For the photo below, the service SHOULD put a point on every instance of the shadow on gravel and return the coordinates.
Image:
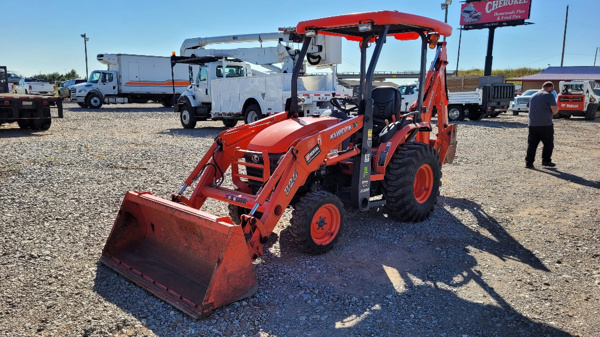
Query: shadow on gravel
(411, 282)
(117, 109)
(211, 132)
(496, 123)
(18, 133)
(570, 177)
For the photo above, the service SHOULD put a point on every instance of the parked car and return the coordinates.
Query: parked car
(521, 102)
(64, 90)
(34, 86)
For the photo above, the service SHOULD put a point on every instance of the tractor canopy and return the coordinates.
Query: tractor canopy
(357, 26)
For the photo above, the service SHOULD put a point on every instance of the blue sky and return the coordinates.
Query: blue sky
(44, 36)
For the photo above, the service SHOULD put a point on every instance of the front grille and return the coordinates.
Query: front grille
(257, 159)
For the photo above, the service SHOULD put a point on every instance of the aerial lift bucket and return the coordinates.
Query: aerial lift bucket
(189, 258)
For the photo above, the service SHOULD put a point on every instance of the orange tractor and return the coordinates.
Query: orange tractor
(365, 154)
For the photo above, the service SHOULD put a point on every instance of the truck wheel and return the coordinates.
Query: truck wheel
(252, 113)
(23, 123)
(229, 122)
(590, 113)
(515, 113)
(187, 117)
(475, 115)
(456, 113)
(93, 101)
(412, 182)
(82, 105)
(167, 102)
(42, 121)
(317, 220)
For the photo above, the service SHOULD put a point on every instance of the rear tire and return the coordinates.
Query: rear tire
(317, 220)
(252, 113)
(23, 124)
(187, 117)
(590, 113)
(475, 115)
(229, 122)
(456, 113)
(412, 182)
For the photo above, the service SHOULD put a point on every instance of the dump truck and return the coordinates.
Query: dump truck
(578, 98)
(477, 97)
(366, 153)
(31, 112)
(131, 79)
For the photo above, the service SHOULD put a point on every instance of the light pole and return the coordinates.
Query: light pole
(445, 7)
(595, 56)
(85, 40)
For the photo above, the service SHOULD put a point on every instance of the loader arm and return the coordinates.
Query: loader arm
(436, 97)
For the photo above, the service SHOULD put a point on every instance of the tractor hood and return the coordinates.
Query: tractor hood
(279, 137)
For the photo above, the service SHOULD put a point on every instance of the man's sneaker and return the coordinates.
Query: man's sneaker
(529, 166)
(548, 164)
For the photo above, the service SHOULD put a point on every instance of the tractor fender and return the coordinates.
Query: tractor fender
(386, 149)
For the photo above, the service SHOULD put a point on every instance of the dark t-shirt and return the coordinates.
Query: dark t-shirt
(540, 111)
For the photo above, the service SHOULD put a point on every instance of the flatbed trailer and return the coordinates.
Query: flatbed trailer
(29, 111)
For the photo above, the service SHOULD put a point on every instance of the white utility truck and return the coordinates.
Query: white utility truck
(578, 98)
(227, 88)
(132, 79)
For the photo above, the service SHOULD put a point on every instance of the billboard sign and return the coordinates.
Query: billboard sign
(493, 13)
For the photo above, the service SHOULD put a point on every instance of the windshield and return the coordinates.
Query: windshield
(94, 77)
(597, 91)
(231, 71)
(407, 89)
(529, 92)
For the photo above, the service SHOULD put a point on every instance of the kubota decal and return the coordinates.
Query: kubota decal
(340, 132)
(312, 154)
(291, 183)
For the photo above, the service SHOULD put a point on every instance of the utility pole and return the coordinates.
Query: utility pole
(595, 56)
(445, 7)
(85, 40)
(562, 57)
(458, 56)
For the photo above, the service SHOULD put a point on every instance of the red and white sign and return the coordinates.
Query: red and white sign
(494, 11)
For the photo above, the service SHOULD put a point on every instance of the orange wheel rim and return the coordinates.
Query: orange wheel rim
(423, 183)
(325, 224)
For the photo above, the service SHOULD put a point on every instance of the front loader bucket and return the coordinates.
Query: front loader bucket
(189, 258)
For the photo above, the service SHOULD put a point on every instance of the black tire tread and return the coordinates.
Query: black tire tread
(399, 178)
(302, 215)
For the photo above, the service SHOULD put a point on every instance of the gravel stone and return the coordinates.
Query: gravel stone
(507, 251)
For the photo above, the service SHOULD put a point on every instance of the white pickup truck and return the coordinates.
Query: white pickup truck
(34, 86)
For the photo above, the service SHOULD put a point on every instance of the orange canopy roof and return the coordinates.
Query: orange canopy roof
(403, 26)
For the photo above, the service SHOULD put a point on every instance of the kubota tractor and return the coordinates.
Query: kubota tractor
(365, 154)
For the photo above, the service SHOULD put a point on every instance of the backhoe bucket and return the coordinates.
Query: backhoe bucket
(189, 258)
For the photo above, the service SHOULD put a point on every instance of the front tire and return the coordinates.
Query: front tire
(317, 220)
(590, 113)
(252, 113)
(456, 113)
(475, 115)
(93, 101)
(412, 182)
(229, 122)
(187, 117)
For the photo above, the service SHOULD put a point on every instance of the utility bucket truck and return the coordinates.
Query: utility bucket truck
(131, 79)
(227, 88)
(366, 154)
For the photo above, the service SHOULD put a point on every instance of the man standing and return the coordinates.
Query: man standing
(542, 107)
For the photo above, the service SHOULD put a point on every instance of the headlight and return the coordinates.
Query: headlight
(81, 90)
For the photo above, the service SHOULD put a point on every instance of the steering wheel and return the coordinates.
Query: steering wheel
(341, 103)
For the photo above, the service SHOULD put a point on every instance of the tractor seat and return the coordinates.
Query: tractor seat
(387, 104)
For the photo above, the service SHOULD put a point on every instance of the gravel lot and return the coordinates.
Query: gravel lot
(507, 252)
